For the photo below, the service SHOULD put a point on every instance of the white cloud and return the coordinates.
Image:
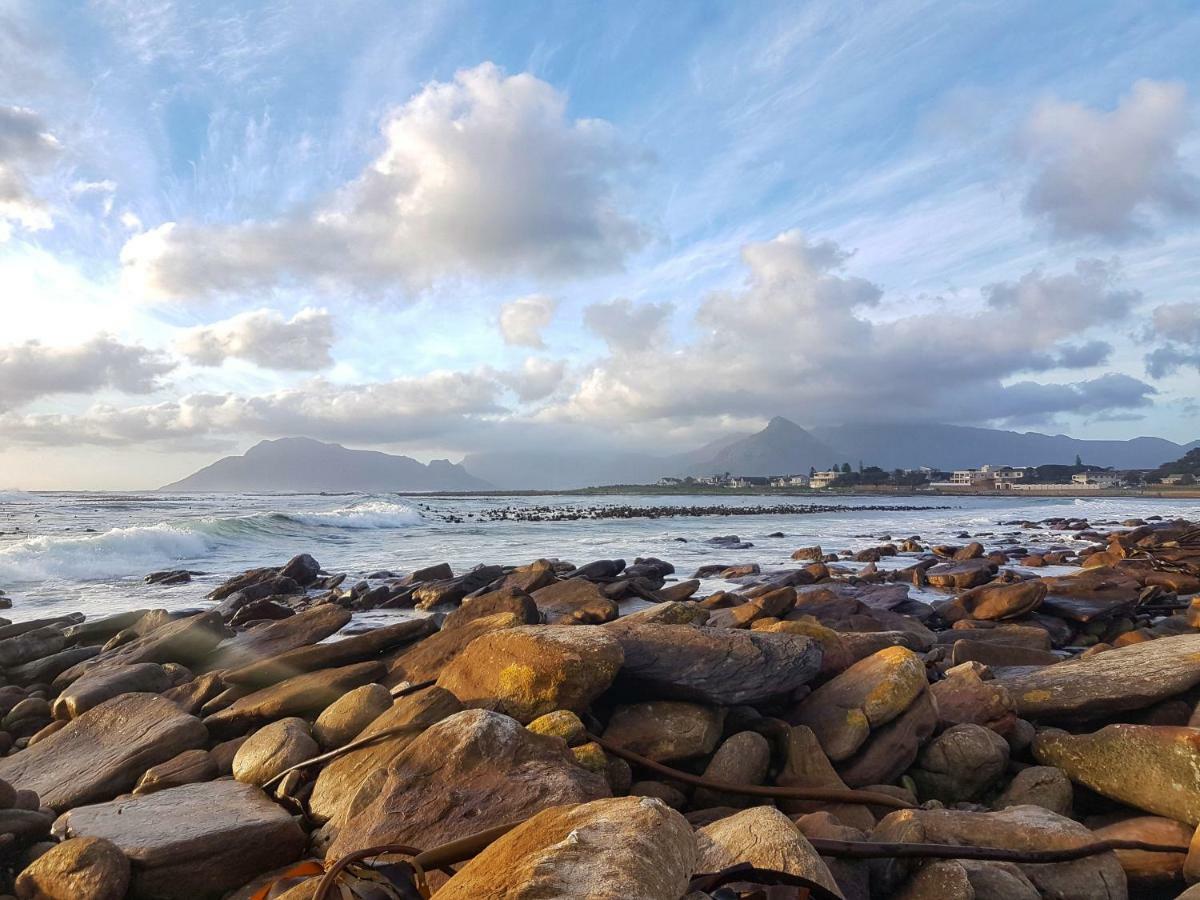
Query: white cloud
(27, 149)
(1100, 173)
(265, 338)
(536, 379)
(624, 326)
(797, 340)
(1177, 325)
(406, 409)
(484, 175)
(522, 320)
(32, 370)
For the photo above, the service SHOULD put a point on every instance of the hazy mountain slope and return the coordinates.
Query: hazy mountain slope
(302, 464)
(957, 447)
(782, 447)
(550, 470)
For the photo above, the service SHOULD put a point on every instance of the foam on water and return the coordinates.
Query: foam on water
(117, 553)
(368, 514)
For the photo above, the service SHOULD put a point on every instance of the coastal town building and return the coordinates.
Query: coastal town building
(1174, 479)
(1097, 479)
(783, 481)
(820, 480)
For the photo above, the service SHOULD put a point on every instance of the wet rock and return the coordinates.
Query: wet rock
(666, 730)
(94, 688)
(1146, 871)
(871, 693)
(741, 759)
(347, 651)
(999, 655)
(611, 849)
(532, 670)
(1100, 593)
(961, 575)
(302, 569)
(187, 641)
(45, 669)
(305, 694)
(189, 767)
(1132, 764)
(1044, 786)
(714, 665)
(765, 838)
(892, 748)
(575, 601)
(1114, 681)
(87, 868)
(452, 590)
(97, 631)
(305, 628)
(960, 764)
(192, 842)
(995, 601)
(353, 779)
(273, 748)
(1018, 828)
(31, 645)
(350, 714)
(425, 660)
(505, 600)
(531, 577)
(465, 773)
(104, 751)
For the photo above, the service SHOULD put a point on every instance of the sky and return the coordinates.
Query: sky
(443, 228)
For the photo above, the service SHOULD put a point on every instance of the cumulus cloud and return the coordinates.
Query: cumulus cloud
(536, 379)
(27, 149)
(797, 339)
(1177, 325)
(624, 326)
(265, 338)
(522, 320)
(405, 409)
(1102, 173)
(32, 370)
(486, 174)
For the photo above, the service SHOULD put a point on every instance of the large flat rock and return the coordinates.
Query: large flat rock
(714, 665)
(466, 773)
(1114, 681)
(104, 751)
(192, 842)
(263, 641)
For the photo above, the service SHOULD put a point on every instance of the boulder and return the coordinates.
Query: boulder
(892, 748)
(963, 697)
(464, 774)
(273, 748)
(960, 764)
(1016, 828)
(713, 665)
(94, 688)
(807, 766)
(995, 601)
(1044, 786)
(1151, 767)
(672, 612)
(346, 780)
(666, 730)
(765, 838)
(871, 693)
(31, 645)
(262, 641)
(86, 868)
(46, 668)
(1145, 870)
(528, 671)
(575, 601)
(104, 751)
(359, 648)
(1127, 678)
(425, 660)
(505, 600)
(613, 849)
(742, 758)
(305, 694)
(961, 575)
(188, 767)
(194, 842)
(187, 641)
(350, 714)
(561, 723)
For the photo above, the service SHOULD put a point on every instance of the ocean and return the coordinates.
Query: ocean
(89, 552)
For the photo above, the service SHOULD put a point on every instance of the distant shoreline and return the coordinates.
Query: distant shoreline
(653, 490)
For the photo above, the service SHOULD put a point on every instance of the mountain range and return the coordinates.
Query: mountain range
(302, 464)
(783, 447)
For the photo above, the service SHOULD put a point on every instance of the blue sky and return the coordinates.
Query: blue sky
(441, 227)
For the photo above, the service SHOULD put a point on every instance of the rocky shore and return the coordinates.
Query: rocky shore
(608, 729)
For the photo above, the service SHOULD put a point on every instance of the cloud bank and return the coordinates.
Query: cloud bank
(267, 339)
(27, 149)
(486, 175)
(32, 370)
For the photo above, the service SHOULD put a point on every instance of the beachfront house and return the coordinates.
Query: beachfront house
(785, 481)
(745, 481)
(669, 481)
(1096, 479)
(820, 480)
(975, 478)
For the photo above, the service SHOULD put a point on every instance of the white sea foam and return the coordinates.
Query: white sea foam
(110, 554)
(369, 514)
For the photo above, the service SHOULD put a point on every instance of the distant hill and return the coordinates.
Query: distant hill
(302, 464)
(892, 446)
(780, 448)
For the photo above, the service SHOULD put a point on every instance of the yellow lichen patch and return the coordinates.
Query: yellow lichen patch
(521, 691)
(1036, 696)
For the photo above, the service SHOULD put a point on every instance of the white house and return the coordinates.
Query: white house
(820, 480)
(789, 481)
(973, 477)
(1096, 479)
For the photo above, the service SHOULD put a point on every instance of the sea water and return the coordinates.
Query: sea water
(62, 552)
